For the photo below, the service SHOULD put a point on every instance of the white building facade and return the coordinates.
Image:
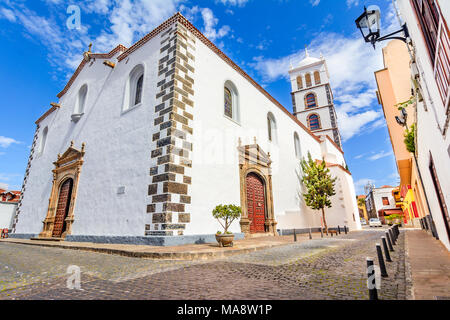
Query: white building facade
(428, 22)
(145, 141)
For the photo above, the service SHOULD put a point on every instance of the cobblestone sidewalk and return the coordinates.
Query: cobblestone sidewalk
(332, 268)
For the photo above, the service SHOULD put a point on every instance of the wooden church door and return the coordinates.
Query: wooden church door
(65, 194)
(256, 203)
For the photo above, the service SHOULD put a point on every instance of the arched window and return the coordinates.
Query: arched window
(310, 100)
(314, 122)
(271, 127)
(298, 152)
(228, 106)
(43, 140)
(308, 80)
(299, 82)
(134, 88)
(81, 99)
(317, 77)
(231, 101)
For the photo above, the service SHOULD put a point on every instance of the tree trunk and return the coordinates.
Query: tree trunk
(324, 221)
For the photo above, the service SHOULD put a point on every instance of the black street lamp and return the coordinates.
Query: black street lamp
(369, 25)
(401, 120)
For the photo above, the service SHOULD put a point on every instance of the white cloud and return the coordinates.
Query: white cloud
(380, 155)
(314, 2)
(5, 142)
(210, 23)
(8, 14)
(351, 64)
(239, 3)
(351, 3)
(10, 181)
(359, 184)
(126, 21)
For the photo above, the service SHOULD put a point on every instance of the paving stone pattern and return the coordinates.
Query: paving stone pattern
(332, 268)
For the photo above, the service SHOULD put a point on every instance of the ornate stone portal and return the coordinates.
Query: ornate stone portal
(67, 167)
(254, 161)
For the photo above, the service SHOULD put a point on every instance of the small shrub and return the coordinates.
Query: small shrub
(226, 214)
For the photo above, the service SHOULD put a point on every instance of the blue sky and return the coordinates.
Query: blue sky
(39, 54)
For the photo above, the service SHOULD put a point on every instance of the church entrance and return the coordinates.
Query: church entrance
(255, 176)
(65, 194)
(256, 203)
(66, 176)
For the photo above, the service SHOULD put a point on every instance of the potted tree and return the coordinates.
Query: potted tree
(226, 214)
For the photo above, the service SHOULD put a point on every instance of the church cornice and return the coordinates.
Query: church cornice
(316, 108)
(335, 144)
(310, 88)
(83, 63)
(318, 63)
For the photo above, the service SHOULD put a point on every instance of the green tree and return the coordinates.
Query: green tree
(410, 139)
(319, 185)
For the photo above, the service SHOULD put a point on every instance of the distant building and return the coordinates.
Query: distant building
(380, 202)
(8, 206)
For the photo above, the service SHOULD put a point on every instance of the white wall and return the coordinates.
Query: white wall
(117, 151)
(215, 171)
(7, 212)
(430, 139)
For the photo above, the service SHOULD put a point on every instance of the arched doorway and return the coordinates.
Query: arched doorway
(256, 203)
(65, 195)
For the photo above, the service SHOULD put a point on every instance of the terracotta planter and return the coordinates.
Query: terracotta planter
(225, 240)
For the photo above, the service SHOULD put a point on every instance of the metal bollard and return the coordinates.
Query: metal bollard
(295, 236)
(345, 229)
(394, 235)
(321, 232)
(388, 238)
(310, 236)
(425, 223)
(339, 230)
(373, 294)
(386, 251)
(391, 233)
(381, 261)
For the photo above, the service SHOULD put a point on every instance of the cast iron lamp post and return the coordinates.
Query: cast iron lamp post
(369, 25)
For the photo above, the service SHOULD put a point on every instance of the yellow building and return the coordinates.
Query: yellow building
(394, 87)
(362, 207)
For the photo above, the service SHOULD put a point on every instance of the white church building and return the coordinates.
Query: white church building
(145, 141)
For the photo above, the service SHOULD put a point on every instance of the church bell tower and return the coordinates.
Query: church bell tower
(312, 97)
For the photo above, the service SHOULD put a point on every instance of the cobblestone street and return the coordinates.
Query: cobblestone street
(329, 268)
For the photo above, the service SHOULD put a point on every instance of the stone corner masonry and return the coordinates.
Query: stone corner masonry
(168, 192)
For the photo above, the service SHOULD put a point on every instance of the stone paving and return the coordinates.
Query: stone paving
(330, 268)
(429, 262)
